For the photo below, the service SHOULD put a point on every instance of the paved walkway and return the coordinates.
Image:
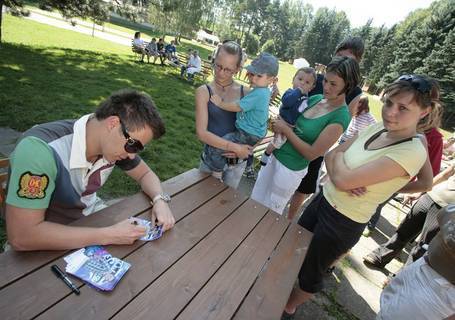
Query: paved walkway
(55, 19)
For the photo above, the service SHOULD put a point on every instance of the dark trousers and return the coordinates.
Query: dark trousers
(375, 218)
(409, 229)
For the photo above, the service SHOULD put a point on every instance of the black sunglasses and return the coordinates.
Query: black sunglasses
(418, 83)
(131, 145)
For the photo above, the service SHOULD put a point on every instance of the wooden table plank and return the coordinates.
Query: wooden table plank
(222, 295)
(14, 265)
(149, 262)
(30, 288)
(171, 292)
(270, 292)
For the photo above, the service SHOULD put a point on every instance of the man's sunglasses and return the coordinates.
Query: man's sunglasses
(131, 145)
(418, 83)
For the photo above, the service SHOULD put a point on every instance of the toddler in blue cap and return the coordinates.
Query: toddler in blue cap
(252, 111)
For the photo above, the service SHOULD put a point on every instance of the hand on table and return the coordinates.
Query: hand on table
(125, 232)
(163, 214)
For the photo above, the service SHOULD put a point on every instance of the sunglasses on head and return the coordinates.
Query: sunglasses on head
(131, 145)
(418, 83)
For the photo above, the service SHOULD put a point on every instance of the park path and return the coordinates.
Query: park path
(55, 19)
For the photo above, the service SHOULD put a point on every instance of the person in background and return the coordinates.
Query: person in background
(151, 50)
(170, 51)
(193, 66)
(139, 45)
(161, 53)
(425, 289)
(360, 120)
(441, 195)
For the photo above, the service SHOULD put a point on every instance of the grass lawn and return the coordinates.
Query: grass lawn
(48, 74)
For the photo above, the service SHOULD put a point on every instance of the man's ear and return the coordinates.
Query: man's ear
(112, 122)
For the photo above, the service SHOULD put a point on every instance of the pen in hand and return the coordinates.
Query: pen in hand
(60, 274)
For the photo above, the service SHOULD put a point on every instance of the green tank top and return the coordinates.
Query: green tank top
(309, 130)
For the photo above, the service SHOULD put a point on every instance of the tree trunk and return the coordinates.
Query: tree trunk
(93, 29)
(1, 16)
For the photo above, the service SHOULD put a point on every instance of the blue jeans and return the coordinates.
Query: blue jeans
(213, 157)
(231, 175)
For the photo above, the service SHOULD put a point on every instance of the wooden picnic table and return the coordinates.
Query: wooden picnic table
(227, 257)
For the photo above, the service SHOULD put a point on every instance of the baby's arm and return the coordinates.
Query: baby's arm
(290, 97)
(229, 106)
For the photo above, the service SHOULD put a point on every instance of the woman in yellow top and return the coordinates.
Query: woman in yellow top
(363, 172)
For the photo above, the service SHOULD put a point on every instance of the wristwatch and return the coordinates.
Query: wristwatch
(162, 196)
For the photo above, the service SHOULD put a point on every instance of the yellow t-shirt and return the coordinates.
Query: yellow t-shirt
(411, 155)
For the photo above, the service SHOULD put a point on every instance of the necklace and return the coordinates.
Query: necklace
(223, 88)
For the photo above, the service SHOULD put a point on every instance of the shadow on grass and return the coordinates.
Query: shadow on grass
(42, 84)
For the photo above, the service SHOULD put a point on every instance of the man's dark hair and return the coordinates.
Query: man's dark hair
(354, 44)
(135, 109)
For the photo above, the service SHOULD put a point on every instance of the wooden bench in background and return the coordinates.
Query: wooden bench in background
(206, 66)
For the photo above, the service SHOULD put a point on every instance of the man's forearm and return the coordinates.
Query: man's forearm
(150, 184)
(53, 236)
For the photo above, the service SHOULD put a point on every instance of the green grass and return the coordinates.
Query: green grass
(48, 74)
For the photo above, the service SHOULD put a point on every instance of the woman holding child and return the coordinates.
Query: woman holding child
(381, 160)
(315, 131)
(212, 122)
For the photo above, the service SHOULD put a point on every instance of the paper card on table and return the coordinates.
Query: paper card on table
(153, 232)
(97, 267)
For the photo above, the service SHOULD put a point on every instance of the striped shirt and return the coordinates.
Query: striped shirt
(357, 124)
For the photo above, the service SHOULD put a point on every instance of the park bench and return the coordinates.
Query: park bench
(227, 257)
(206, 66)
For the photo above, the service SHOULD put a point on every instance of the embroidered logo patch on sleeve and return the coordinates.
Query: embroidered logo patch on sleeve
(32, 186)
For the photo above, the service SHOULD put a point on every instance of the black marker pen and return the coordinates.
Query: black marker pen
(60, 274)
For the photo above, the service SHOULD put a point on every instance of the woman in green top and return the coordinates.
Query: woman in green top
(316, 130)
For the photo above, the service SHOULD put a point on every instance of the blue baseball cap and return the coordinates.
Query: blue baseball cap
(265, 63)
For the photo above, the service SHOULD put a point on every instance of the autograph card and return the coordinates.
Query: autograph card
(153, 232)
